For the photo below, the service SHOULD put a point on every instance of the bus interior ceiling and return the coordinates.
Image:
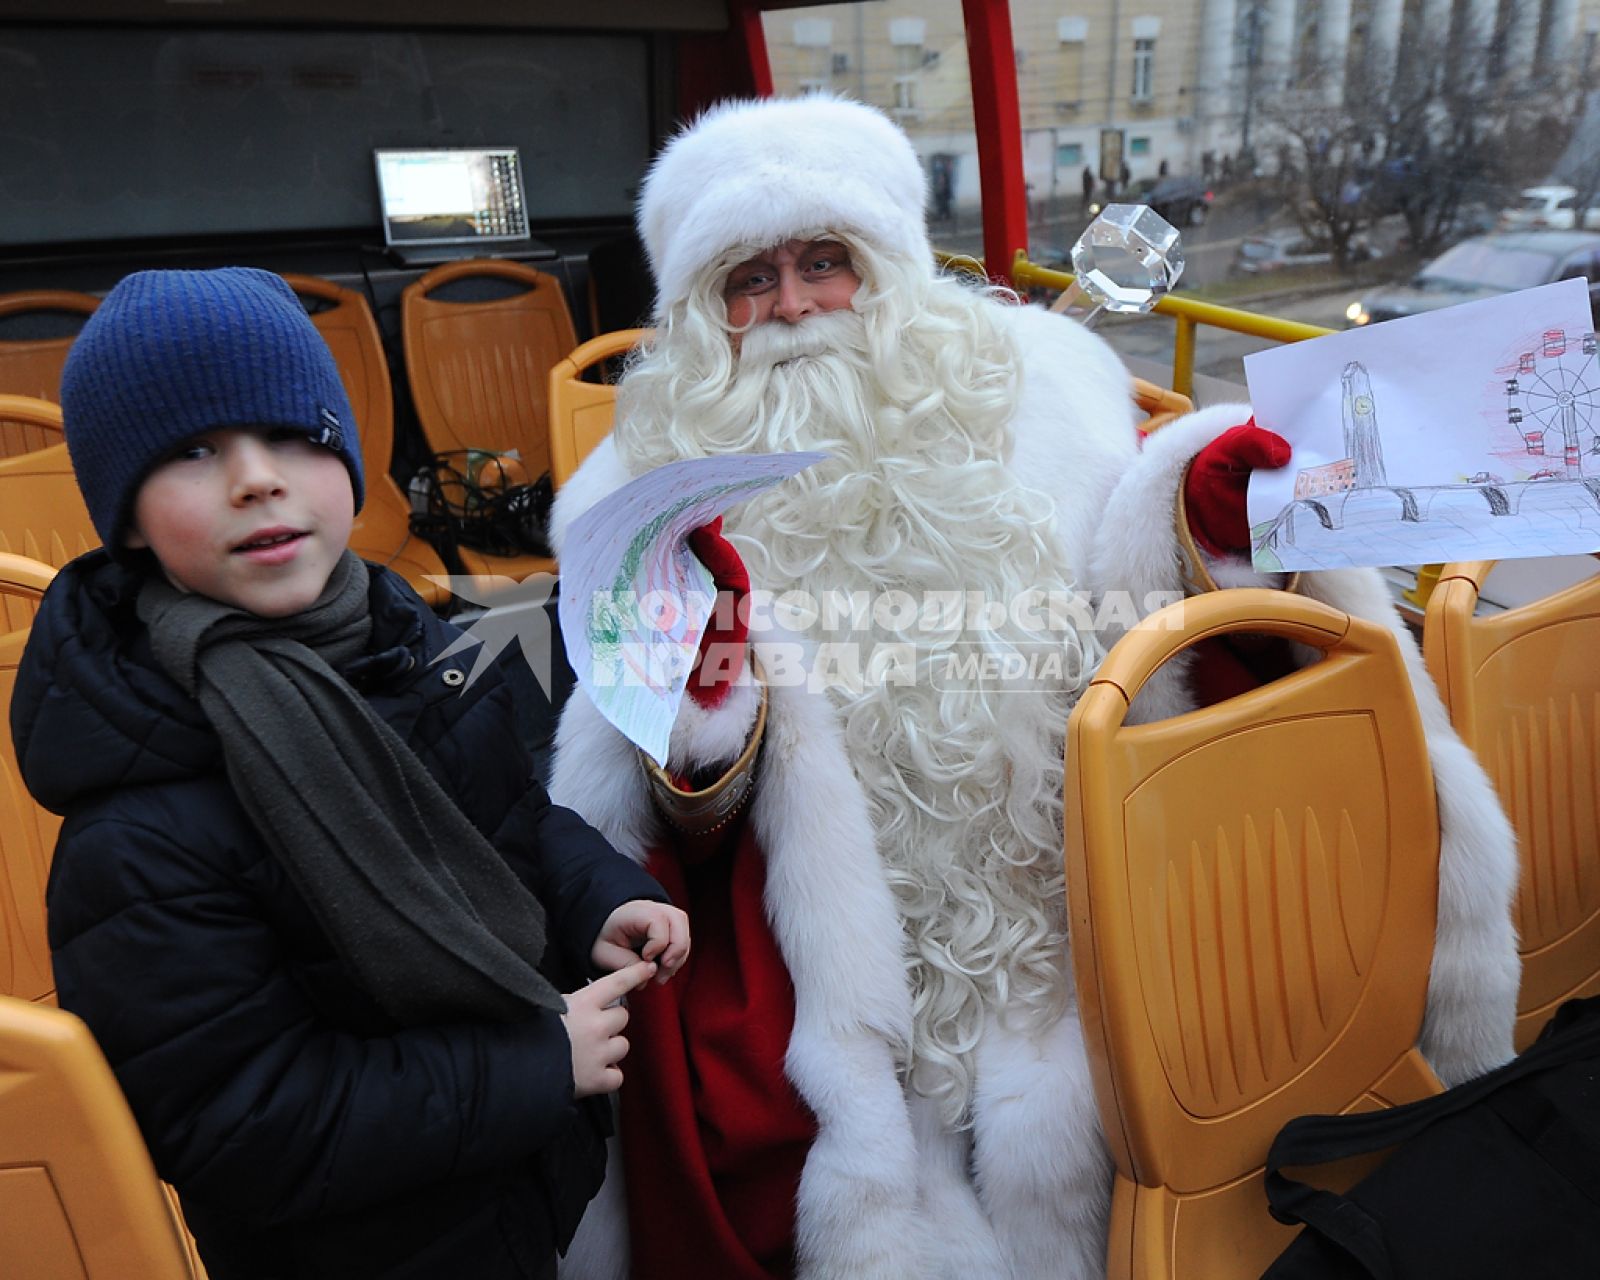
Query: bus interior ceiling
(148, 134)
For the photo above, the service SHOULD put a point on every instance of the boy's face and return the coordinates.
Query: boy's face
(254, 518)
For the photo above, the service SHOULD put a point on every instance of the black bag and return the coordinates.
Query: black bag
(1496, 1178)
(480, 500)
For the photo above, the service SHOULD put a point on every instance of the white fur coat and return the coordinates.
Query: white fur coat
(886, 1190)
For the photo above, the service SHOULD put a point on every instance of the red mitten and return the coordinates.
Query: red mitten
(721, 657)
(1214, 489)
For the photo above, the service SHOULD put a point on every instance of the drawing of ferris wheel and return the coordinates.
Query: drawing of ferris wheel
(1552, 401)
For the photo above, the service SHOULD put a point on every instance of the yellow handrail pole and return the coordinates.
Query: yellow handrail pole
(1183, 358)
(1188, 312)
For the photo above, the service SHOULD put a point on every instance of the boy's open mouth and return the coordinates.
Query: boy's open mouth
(270, 538)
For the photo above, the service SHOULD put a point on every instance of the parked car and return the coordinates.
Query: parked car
(1550, 207)
(1278, 250)
(1184, 202)
(1485, 266)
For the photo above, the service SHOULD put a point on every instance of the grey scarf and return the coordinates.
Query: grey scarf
(425, 914)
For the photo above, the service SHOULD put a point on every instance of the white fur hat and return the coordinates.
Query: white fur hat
(758, 172)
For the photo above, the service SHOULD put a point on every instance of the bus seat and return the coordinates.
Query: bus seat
(27, 842)
(32, 366)
(382, 531)
(42, 515)
(78, 1195)
(581, 412)
(22, 582)
(1251, 889)
(1524, 694)
(28, 423)
(1160, 405)
(479, 372)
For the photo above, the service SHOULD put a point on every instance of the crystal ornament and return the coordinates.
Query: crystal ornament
(1127, 258)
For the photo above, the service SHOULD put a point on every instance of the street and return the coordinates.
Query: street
(1145, 342)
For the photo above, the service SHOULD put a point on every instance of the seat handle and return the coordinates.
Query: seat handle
(1169, 631)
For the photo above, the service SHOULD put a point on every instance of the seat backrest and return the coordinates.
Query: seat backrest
(1252, 892)
(22, 582)
(479, 371)
(581, 412)
(32, 366)
(78, 1195)
(1160, 405)
(42, 515)
(28, 424)
(1524, 693)
(345, 322)
(27, 841)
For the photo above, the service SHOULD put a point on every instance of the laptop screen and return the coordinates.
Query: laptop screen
(451, 195)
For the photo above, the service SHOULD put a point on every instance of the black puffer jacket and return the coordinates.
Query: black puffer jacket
(308, 1135)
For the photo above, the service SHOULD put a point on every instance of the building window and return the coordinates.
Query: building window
(1308, 42)
(1138, 146)
(1069, 155)
(907, 36)
(1145, 32)
(1144, 60)
(813, 38)
(1072, 34)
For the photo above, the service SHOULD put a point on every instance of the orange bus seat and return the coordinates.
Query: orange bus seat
(28, 424)
(382, 531)
(1251, 889)
(480, 373)
(42, 515)
(22, 583)
(32, 366)
(1160, 405)
(27, 843)
(79, 1197)
(581, 412)
(1524, 694)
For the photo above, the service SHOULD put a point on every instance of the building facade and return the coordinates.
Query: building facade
(1159, 86)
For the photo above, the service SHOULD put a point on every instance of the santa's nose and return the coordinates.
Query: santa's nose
(794, 299)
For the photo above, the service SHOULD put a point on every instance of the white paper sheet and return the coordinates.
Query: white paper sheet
(635, 600)
(1462, 434)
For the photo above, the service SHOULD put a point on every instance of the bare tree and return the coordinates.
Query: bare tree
(1420, 135)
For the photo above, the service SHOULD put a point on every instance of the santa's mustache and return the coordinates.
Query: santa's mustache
(778, 342)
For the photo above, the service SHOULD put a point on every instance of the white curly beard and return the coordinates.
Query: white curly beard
(962, 772)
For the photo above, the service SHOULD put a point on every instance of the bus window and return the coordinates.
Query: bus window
(908, 57)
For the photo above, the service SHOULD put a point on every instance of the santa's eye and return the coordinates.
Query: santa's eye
(750, 278)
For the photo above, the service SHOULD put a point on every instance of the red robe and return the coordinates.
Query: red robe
(713, 1134)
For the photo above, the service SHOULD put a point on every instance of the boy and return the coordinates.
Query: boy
(303, 888)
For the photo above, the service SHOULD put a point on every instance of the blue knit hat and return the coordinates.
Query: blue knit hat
(170, 355)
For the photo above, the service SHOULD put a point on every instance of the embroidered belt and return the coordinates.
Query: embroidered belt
(702, 812)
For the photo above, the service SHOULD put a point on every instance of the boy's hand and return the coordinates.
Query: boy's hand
(652, 930)
(594, 1021)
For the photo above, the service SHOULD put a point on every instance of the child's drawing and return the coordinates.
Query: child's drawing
(1451, 436)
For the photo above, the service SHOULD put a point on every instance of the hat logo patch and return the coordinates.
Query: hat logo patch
(330, 436)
